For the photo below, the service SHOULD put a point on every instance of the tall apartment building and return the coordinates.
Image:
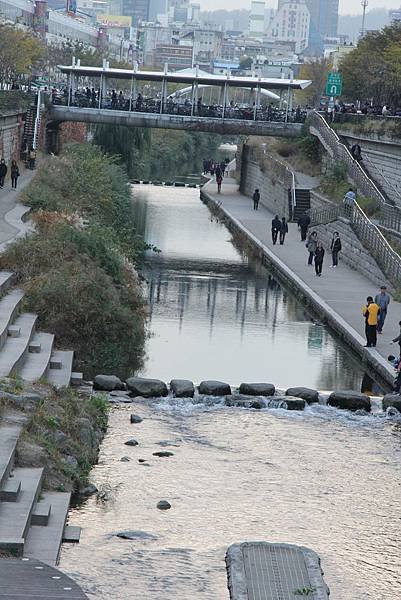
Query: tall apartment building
(138, 10)
(323, 22)
(291, 24)
(257, 19)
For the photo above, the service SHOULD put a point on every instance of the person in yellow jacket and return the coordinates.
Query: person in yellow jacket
(371, 313)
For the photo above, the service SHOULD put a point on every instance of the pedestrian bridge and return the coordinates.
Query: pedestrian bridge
(177, 100)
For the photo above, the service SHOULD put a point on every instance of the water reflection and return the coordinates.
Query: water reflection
(214, 313)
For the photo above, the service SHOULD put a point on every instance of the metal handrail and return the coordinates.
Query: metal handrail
(341, 152)
(37, 121)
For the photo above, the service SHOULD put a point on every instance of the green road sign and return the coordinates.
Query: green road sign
(334, 85)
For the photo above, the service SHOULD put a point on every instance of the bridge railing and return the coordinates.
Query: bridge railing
(340, 152)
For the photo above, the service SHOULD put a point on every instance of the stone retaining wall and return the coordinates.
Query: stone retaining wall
(261, 171)
(11, 130)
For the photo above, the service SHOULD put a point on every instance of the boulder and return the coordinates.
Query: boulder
(182, 388)
(214, 388)
(257, 389)
(294, 403)
(125, 459)
(243, 401)
(88, 490)
(107, 383)
(163, 453)
(147, 388)
(349, 400)
(392, 400)
(307, 394)
(131, 442)
(70, 461)
(163, 505)
(136, 419)
(141, 460)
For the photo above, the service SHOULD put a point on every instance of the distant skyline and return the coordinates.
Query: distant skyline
(346, 6)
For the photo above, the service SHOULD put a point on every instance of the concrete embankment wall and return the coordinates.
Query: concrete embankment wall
(269, 176)
(312, 301)
(11, 130)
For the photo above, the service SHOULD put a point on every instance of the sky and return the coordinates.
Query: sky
(346, 6)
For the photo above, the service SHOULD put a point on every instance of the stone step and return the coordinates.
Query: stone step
(9, 307)
(72, 534)
(43, 543)
(6, 280)
(41, 513)
(10, 490)
(36, 363)
(61, 377)
(14, 350)
(15, 517)
(9, 434)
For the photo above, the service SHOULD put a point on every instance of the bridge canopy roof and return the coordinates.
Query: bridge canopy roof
(186, 77)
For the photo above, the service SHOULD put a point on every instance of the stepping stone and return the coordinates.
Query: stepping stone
(14, 331)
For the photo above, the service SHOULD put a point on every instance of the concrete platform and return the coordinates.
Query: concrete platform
(44, 542)
(267, 571)
(27, 579)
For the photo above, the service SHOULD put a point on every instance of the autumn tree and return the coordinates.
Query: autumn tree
(19, 53)
(373, 70)
(316, 71)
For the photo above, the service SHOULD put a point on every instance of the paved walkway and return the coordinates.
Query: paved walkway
(343, 289)
(11, 210)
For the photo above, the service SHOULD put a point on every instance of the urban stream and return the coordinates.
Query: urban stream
(323, 478)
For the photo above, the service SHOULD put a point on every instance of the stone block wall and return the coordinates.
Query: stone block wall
(353, 253)
(261, 171)
(11, 130)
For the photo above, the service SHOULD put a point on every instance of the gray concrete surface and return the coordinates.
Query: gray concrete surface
(339, 294)
(11, 210)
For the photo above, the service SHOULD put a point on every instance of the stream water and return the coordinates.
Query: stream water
(323, 478)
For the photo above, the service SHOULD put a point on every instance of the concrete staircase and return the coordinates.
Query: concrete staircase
(24, 352)
(32, 522)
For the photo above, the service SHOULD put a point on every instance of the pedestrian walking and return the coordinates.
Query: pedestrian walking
(256, 199)
(348, 202)
(356, 152)
(32, 158)
(335, 248)
(311, 244)
(382, 299)
(219, 180)
(371, 313)
(283, 230)
(398, 339)
(319, 256)
(3, 172)
(303, 224)
(223, 167)
(14, 174)
(276, 228)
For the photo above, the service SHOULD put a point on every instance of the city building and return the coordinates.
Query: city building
(176, 56)
(291, 24)
(323, 23)
(138, 10)
(257, 19)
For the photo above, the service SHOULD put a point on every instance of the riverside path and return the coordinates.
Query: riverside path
(12, 211)
(338, 295)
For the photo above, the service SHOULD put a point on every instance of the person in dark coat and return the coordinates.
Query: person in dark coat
(303, 224)
(283, 230)
(256, 199)
(335, 248)
(219, 181)
(319, 256)
(3, 171)
(311, 245)
(14, 174)
(276, 228)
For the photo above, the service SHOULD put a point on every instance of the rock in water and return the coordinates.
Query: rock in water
(307, 394)
(182, 388)
(88, 490)
(257, 389)
(349, 400)
(214, 388)
(136, 419)
(107, 383)
(131, 442)
(125, 459)
(163, 505)
(135, 535)
(163, 453)
(147, 388)
(294, 403)
(392, 400)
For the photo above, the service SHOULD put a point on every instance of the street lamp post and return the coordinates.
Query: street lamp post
(364, 6)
